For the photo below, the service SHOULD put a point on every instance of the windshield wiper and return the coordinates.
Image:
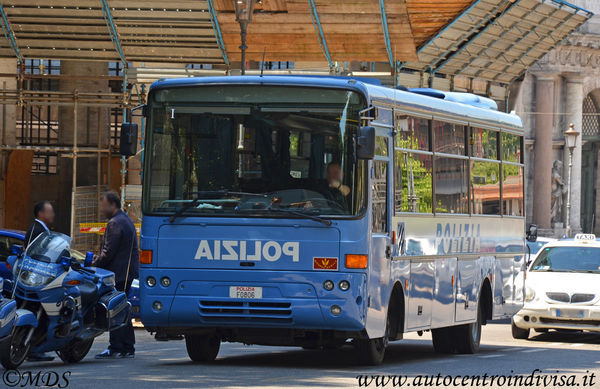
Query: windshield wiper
(200, 194)
(291, 212)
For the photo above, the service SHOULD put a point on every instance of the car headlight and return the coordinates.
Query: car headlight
(31, 278)
(529, 294)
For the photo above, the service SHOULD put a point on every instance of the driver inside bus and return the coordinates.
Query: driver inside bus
(334, 179)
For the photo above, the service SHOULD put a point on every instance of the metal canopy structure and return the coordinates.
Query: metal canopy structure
(498, 40)
(107, 30)
(495, 40)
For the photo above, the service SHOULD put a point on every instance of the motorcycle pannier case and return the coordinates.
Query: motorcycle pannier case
(8, 312)
(112, 311)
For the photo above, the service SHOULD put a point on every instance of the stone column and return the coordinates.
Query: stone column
(544, 122)
(574, 111)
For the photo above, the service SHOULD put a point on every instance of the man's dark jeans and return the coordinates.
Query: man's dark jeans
(122, 340)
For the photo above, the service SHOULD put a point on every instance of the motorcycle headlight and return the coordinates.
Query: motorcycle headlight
(109, 281)
(30, 278)
(529, 294)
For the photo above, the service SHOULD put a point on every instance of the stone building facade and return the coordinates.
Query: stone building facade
(563, 88)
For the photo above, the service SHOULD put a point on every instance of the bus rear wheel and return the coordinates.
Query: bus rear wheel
(202, 348)
(442, 340)
(462, 339)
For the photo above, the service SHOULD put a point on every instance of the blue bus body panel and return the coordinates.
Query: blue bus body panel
(199, 285)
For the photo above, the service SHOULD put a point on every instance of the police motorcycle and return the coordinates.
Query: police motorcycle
(8, 314)
(62, 305)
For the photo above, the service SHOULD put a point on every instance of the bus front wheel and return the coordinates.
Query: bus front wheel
(202, 348)
(370, 351)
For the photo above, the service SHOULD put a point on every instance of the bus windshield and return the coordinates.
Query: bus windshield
(249, 149)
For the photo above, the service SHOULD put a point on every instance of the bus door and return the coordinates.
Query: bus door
(381, 240)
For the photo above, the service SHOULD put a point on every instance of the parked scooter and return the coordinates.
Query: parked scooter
(62, 305)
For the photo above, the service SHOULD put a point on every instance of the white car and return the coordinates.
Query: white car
(562, 288)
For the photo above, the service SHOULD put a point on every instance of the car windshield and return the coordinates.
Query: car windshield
(239, 150)
(49, 247)
(576, 259)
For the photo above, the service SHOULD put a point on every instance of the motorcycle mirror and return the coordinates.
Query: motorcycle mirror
(16, 249)
(65, 261)
(89, 257)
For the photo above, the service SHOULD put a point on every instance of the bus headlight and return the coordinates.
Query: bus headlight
(328, 285)
(151, 281)
(344, 285)
(529, 294)
(165, 281)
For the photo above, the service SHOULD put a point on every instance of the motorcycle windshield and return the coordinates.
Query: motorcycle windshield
(49, 247)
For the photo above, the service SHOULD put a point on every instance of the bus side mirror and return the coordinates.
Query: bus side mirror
(532, 233)
(128, 141)
(365, 143)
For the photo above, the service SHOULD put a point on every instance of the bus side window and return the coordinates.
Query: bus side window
(379, 196)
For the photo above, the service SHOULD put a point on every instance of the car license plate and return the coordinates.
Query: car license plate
(569, 313)
(245, 292)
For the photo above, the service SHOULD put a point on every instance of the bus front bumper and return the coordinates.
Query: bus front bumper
(201, 298)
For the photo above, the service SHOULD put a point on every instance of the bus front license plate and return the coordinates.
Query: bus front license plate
(245, 292)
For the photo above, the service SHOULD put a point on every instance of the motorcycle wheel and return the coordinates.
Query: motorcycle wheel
(14, 352)
(75, 351)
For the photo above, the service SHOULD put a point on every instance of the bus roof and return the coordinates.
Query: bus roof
(411, 102)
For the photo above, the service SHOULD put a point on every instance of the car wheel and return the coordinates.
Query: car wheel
(517, 332)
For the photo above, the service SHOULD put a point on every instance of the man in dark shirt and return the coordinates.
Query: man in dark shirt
(119, 254)
(44, 218)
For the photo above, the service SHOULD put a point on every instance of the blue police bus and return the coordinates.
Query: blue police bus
(328, 211)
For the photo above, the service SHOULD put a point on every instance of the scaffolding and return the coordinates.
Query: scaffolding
(84, 199)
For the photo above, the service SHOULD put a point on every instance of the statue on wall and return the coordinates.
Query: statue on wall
(558, 190)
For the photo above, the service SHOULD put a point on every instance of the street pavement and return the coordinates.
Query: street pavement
(166, 365)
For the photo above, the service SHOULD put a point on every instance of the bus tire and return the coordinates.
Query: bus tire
(442, 340)
(518, 333)
(371, 352)
(202, 348)
(467, 337)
